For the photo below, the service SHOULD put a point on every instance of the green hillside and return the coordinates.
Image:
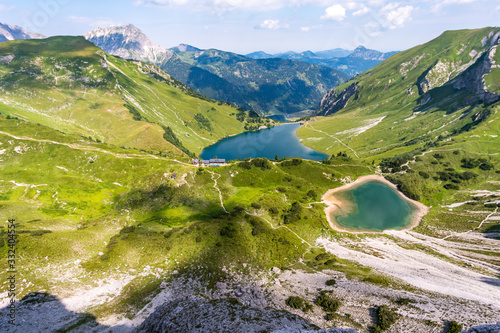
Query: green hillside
(417, 98)
(69, 84)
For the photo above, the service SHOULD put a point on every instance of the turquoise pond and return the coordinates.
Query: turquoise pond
(373, 206)
(280, 140)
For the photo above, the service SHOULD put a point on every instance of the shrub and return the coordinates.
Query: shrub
(330, 316)
(322, 256)
(295, 302)
(256, 205)
(293, 214)
(454, 327)
(198, 239)
(292, 162)
(307, 308)
(311, 194)
(424, 174)
(486, 166)
(470, 163)
(330, 282)
(386, 317)
(327, 303)
(451, 186)
(403, 301)
(273, 210)
(456, 152)
(227, 231)
(438, 156)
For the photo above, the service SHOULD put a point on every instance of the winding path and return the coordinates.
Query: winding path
(333, 137)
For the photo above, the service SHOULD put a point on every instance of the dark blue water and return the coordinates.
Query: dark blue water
(377, 207)
(280, 140)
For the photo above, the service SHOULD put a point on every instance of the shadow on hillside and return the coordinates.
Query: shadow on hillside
(43, 312)
(490, 280)
(493, 231)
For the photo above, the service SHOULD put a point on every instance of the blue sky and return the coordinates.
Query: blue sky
(244, 26)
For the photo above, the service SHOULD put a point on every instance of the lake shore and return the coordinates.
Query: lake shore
(334, 203)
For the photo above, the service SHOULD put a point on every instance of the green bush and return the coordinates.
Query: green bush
(322, 256)
(292, 162)
(454, 327)
(295, 302)
(386, 317)
(256, 205)
(327, 303)
(273, 210)
(424, 174)
(330, 316)
(438, 156)
(486, 166)
(451, 186)
(294, 213)
(330, 282)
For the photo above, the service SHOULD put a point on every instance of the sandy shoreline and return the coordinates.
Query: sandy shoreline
(333, 203)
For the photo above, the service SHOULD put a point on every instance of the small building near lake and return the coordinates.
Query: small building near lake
(213, 162)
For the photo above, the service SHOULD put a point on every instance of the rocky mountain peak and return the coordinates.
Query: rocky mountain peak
(186, 48)
(368, 54)
(11, 32)
(128, 42)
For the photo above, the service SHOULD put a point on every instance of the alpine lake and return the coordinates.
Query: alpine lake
(372, 206)
(280, 140)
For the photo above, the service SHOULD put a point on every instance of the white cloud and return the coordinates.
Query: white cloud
(6, 8)
(219, 6)
(361, 11)
(307, 29)
(272, 25)
(335, 13)
(95, 21)
(395, 16)
(437, 7)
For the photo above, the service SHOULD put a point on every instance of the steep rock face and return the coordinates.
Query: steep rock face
(128, 42)
(197, 314)
(335, 101)
(11, 32)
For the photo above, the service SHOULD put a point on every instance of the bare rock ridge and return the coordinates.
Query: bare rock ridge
(128, 42)
(198, 314)
(11, 32)
(333, 102)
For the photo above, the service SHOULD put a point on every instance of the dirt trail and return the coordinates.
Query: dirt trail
(333, 137)
(90, 148)
(218, 189)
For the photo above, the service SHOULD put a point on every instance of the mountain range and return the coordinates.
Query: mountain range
(349, 62)
(267, 86)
